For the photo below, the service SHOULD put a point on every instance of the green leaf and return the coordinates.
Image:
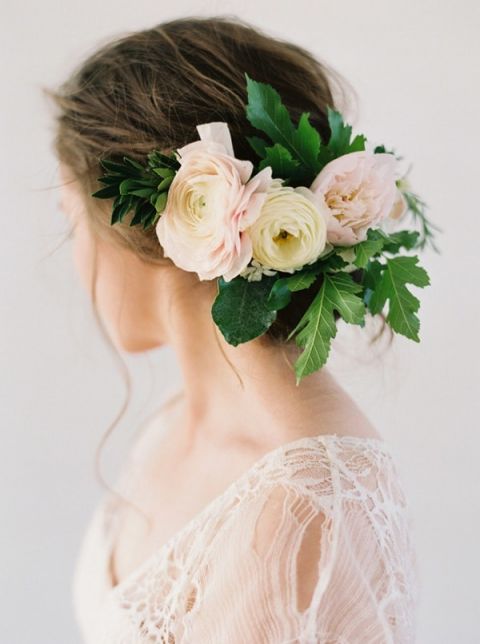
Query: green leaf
(371, 277)
(121, 207)
(161, 202)
(339, 142)
(332, 261)
(165, 183)
(267, 113)
(106, 193)
(365, 250)
(257, 144)
(157, 160)
(308, 140)
(118, 168)
(110, 180)
(417, 208)
(317, 327)
(134, 164)
(339, 132)
(381, 149)
(281, 292)
(149, 218)
(164, 172)
(372, 274)
(127, 186)
(143, 192)
(281, 161)
(358, 144)
(142, 210)
(407, 239)
(391, 286)
(240, 309)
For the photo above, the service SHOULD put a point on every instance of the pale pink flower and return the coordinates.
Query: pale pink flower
(211, 201)
(359, 189)
(399, 206)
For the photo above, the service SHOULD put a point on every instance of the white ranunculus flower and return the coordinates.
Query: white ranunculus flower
(291, 230)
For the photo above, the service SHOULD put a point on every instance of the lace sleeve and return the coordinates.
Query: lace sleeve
(323, 556)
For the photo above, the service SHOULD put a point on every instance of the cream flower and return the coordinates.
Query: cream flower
(291, 229)
(256, 271)
(359, 190)
(349, 256)
(211, 201)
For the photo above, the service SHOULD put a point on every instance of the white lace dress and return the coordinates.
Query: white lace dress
(312, 544)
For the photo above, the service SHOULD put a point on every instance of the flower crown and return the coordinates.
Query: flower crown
(308, 215)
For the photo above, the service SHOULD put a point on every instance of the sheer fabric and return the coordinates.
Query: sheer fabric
(312, 544)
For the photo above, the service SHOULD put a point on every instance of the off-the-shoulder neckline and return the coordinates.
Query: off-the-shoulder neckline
(379, 445)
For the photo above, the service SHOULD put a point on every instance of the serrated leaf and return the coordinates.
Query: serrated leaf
(372, 274)
(300, 281)
(365, 250)
(280, 159)
(340, 133)
(402, 238)
(329, 262)
(317, 327)
(257, 144)
(266, 112)
(391, 286)
(282, 290)
(240, 310)
(339, 142)
(358, 144)
(308, 139)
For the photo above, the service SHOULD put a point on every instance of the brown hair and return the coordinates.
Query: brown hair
(149, 89)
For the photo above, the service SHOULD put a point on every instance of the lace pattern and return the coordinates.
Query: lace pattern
(312, 544)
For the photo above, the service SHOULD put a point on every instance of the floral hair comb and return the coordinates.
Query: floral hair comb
(308, 215)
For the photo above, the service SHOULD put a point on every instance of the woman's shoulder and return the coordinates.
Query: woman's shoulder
(325, 516)
(333, 465)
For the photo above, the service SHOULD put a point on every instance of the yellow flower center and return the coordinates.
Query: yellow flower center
(282, 236)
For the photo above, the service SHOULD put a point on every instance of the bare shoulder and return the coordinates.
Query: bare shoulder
(343, 416)
(355, 422)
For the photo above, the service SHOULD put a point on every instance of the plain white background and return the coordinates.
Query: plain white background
(414, 65)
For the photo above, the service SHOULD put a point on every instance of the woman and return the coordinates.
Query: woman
(269, 512)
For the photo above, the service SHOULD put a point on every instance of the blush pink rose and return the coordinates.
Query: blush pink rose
(359, 189)
(211, 201)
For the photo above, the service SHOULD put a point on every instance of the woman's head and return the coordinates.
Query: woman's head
(149, 90)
